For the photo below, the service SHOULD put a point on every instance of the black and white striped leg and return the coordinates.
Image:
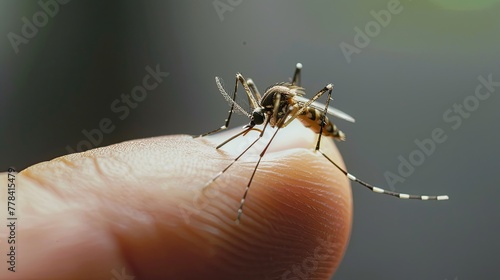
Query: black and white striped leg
(226, 121)
(239, 156)
(306, 105)
(353, 178)
(242, 202)
(323, 118)
(382, 191)
(296, 75)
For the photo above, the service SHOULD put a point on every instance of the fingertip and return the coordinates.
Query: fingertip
(159, 201)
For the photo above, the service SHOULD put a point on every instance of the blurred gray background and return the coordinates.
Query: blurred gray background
(428, 57)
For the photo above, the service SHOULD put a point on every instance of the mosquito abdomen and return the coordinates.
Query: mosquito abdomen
(311, 118)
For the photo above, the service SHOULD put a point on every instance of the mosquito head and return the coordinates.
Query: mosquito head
(258, 116)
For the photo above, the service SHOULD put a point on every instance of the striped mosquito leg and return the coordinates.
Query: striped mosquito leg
(307, 104)
(296, 75)
(382, 191)
(237, 158)
(323, 117)
(242, 202)
(226, 121)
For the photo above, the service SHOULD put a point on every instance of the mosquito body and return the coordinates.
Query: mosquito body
(290, 101)
(279, 106)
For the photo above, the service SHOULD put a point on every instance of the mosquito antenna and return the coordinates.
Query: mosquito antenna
(229, 99)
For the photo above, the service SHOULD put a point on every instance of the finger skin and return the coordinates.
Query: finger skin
(143, 208)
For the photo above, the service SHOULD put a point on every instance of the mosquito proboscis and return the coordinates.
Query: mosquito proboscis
(281, 104)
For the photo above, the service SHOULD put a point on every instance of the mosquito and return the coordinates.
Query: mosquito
(281, 104)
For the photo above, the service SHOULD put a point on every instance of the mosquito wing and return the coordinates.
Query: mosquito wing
(320, 106)
(229, 99)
